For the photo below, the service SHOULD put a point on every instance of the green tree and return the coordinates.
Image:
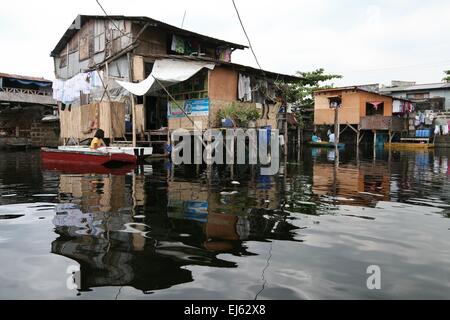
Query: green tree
(301, 92)
(447, 76)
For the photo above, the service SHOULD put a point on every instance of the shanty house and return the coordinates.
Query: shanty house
(26, 112)
(362, 110)
(433, 96)
(101, 60)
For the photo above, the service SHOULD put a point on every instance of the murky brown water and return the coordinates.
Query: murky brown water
(308, 233)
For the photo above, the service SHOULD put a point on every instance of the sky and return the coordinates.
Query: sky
(364, 41)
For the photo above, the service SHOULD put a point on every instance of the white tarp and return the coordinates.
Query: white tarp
(168, 72)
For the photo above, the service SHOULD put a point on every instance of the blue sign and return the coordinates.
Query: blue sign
(193, 108)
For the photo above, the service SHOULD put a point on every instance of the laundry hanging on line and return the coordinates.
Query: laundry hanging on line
(244, 88)
(68, 91)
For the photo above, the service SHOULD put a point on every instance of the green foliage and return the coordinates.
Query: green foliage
(301, 92)
(447, 76)
(241, 115)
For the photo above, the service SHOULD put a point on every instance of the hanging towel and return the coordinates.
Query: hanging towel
(397, 106)
(437, 130)
(244, 88)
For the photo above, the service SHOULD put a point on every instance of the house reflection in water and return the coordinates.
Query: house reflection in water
(104, 230)
(362, 184)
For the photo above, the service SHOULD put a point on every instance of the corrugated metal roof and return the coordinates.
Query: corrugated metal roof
(238, 67)
(80, 20)
(16, 76)
(418, 87)
(359, 88)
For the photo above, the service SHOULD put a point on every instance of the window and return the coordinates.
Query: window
(418, 96)
(193, 88)
(335, 102)
(374, 108)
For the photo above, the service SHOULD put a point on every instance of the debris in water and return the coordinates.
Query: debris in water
(224, 193)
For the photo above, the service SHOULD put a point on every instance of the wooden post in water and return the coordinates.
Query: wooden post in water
(133, 119)
(286, 137)
(374, 144)
(133, 107)
(336, 129)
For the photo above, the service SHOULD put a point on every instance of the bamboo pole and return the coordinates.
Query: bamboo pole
(133, 104)
(133, 119)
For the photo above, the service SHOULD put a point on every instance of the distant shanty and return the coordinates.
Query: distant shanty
(404, 115)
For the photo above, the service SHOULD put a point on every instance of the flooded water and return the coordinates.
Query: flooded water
(311, 232)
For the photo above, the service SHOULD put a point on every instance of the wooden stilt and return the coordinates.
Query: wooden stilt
(374, 144)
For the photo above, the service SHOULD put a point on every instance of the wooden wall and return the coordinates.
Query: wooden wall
(76, 122)
(140, 119)
(222, 91)
(371, 97)
(223, 84)
(155, 41)
(349, 112)
(353, 106)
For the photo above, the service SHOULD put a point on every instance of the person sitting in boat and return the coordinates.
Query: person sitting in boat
(98, 142)
(315, 138)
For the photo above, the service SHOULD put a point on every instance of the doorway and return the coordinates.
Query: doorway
(155, 113)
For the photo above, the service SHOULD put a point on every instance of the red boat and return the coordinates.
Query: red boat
(86, 157)
(87, 169)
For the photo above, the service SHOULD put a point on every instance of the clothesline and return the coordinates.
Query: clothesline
(67, 91)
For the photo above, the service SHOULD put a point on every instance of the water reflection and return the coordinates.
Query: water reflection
(210, 232)
(101, 229)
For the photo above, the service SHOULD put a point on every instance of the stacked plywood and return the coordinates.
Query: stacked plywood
(77, 122)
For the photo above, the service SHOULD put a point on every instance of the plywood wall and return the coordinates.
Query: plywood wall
(349, 112)
(140, 119)
(223, 84)
(353, 106)
(76, 123)
(372, 97)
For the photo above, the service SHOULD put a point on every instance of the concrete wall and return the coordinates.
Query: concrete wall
(22, 96)
(45, 134)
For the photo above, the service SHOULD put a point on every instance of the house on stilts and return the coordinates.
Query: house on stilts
(364, 115)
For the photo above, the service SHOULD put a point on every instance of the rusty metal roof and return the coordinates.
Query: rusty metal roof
(418, 87)
(80, 20)
(359, 88)
(238, 67)
(20, 77)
